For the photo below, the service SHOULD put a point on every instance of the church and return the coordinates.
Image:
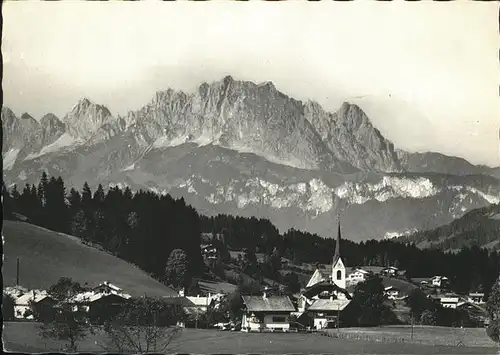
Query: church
(325, 295)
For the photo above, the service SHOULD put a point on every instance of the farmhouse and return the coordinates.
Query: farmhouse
(357, 276)
(23, 304)
(439, 281)
(266, 313)
(326, 312)
(391, 292)
(476, 297)
(200, 304)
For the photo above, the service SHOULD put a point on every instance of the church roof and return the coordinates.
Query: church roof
(336, 256)
(317, 277)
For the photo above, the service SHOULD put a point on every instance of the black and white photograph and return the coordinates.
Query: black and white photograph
(251, 177)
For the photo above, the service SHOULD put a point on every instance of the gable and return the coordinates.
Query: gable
(339, 264)
(317, 277)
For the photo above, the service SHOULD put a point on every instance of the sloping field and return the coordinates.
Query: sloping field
(46, 256)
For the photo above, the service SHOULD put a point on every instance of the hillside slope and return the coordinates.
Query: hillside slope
(45, 256)
(479, 227)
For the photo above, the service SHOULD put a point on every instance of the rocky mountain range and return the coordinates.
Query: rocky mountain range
(245, 148)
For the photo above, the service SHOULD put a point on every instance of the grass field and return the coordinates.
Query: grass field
(422, 334)
(23, 337)
(45, 256)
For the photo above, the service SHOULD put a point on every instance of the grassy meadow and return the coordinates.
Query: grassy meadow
(22, 336)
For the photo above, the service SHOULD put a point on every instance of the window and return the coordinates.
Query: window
(339, 275)
(277, 319)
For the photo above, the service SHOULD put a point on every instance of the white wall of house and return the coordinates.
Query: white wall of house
(270, 322)
(250, 322)
(19, 311)
(273, 321)
(320, 322)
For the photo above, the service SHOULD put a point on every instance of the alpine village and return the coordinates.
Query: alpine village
(118, 252)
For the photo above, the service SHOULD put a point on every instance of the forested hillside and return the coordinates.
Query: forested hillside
(479, 227)
(144, 228)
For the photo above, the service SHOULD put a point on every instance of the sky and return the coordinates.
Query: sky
(426, 73)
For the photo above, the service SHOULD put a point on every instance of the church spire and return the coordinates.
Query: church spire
(336, 256)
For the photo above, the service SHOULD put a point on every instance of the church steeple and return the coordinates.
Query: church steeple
(336, 256)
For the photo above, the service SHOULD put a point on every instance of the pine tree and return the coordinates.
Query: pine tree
(493, 308)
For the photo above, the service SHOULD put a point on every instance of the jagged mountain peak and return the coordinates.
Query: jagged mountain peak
(86, 118)
(27, 116)
(49, 118)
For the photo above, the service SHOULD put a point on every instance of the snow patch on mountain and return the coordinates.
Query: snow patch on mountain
(392, 235)
(321, 199)
(389, 187)
(9, 158)
(64, 141)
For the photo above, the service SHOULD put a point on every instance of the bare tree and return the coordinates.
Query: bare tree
(145, 325)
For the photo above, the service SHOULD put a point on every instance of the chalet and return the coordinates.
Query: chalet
(451, 300)
(390, 271)
(391, 292)
(209, 251)
(200, 304)
(357, 276)
(23, 304)
(439, 281)
(476, 297)
(326, 312)
(100, 302)
(266, 313)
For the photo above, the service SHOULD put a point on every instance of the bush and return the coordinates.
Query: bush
(493, 330)
(8, 307)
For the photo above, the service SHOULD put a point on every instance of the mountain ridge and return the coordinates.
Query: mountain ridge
(241, 147)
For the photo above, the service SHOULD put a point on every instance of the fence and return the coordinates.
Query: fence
(457, 339)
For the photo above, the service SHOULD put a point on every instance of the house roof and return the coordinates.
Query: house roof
(28, 297)
(322, 286)
(272, 303)
(391, 288)
(180, 301)
(216, 287)
(318, 276)
(329, 305)
(91, 296)
(200, 301)
(108, 284)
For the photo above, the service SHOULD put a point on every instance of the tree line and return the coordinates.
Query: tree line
(145, 228)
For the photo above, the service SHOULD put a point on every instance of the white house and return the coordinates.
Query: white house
(439, 281)
(390, 271)
(22, 304)
(391, 292)
(266, 313)
(357, 276)
(326, 312)
(476, 297)
(200, 303)
(450, 302)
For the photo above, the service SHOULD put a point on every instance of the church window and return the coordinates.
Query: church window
(339, 275)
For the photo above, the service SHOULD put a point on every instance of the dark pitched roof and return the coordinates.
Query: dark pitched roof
(329, 305)
(320, 287)
(180, 301)
(336, 256)
(272, 303)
